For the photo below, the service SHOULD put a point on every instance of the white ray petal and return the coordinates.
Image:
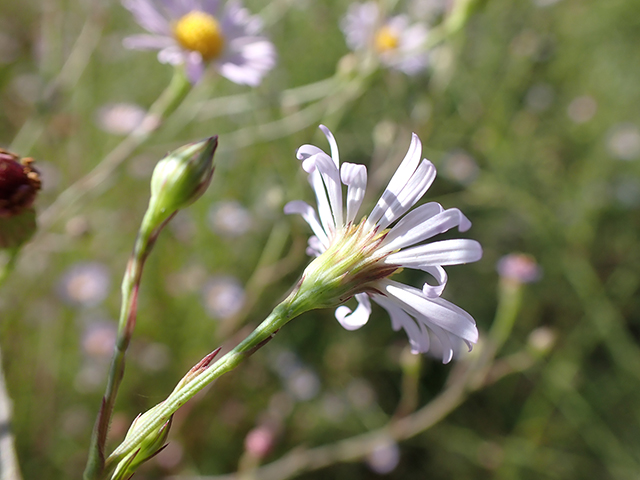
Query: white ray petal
(412, 229)
(356, 319)
(434, 311)
(309, 215)
(437, 272)
(355, 177)
(417, 332)
(444, 340)
(173, 55)
(398, 181)
(315, 247)
(413, 191)
(446, 252)
(331, 178)
(147, 42)
(306, 151)
(334, 146)
(148, 16)
(324, 209)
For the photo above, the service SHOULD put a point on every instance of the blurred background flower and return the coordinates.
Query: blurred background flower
(223, 296)
(229, 219)
(200, 32)
(120, 118)
(85, 284)
(396, 41)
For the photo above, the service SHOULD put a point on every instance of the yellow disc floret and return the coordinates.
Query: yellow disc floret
(386, 39)
(200, 32)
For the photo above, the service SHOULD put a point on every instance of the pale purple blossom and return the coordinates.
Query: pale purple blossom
(389, 239)
(394, 40)
(519, 268)
(195, 33)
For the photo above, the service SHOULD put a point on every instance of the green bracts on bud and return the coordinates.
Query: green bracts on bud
(180, 179)
(148, 448)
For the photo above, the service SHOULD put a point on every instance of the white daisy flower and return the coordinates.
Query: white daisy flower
(396, 42)
(198, 32)
(357, 259)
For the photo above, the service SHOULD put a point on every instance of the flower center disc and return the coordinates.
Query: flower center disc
(200, 32)
(386, 39)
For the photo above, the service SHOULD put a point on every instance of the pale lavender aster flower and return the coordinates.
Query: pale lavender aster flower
(357, 259)
(396, 42)
(198, 32)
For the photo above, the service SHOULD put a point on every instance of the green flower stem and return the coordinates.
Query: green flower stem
(296, 304)
(10, 265)
(509, 304)
(510, 294)
(126, 324)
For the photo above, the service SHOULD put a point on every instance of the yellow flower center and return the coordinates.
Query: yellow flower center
(200, 32)
(386, 39)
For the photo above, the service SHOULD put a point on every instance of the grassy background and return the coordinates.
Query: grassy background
(543, 99)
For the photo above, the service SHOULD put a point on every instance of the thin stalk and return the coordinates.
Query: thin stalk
(126, 324)
(290, 308)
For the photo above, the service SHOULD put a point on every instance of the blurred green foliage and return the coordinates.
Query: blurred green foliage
(541, 97)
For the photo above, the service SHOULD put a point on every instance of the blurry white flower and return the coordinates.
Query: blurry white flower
(627, 192)
(540, 97)
(154, 357)
(361, 394)
(624, 141)
(519, 267)
(198, 32)
(334, 407)
(582, 109)
(120, 118)
(303, 384)
(542, 339)
(223, 296)
(85, 284)
(385, 457)
(396, 42)
(461, 167)
(91, 376)
(99, 338)
(358, 259)
(229, 219)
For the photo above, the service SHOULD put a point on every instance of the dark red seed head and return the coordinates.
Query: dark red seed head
(19, 184)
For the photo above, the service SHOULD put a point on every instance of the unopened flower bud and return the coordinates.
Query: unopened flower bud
(181, 178)
(19, 184)
(153, 444)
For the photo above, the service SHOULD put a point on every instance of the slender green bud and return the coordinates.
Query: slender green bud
(148, 448)
(181, 178)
